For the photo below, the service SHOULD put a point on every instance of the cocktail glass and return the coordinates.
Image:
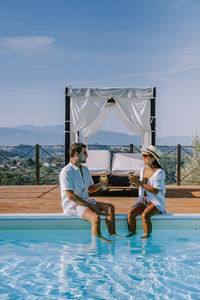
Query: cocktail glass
(104, 180)
(131, 174)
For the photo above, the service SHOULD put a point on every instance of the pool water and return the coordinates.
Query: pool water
(69, 264)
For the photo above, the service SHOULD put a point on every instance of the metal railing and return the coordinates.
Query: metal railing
(42, 164)
(30, 164)
(12, 163)
(195, 158)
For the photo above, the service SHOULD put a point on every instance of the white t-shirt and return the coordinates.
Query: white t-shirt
(71, 179)
(157, 180)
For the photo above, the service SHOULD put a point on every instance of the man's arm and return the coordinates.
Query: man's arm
(95, 187)
(78, 200)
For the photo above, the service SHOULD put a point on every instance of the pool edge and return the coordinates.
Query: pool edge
(63, 222)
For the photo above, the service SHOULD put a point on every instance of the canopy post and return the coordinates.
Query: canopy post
(153, 118)
(67, 126)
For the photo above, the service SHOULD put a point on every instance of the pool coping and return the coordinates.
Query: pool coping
(63, 222)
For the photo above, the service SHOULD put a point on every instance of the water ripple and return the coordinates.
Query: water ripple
(163, 267)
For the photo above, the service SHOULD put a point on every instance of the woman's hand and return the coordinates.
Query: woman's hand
(147, 187)
(134, 180)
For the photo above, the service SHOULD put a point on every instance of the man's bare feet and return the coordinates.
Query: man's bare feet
(116, 235)
(104, 239)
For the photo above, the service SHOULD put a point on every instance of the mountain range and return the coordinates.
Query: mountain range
(54, 135)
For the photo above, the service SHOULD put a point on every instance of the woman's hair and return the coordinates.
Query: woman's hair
(76, 147)
(156, 164)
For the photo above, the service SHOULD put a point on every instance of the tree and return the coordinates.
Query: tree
(30, 162)
(169, 165)
(190, 173)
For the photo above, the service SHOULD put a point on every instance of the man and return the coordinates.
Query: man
(76, 182)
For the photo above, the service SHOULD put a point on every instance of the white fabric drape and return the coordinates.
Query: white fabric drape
(135, 114)
(84, 111)
(97, 124)
(89, 110)
(135, 93)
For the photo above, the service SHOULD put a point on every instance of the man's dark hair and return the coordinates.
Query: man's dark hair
(76, 147)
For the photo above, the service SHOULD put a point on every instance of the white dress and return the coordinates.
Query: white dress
(157, 181)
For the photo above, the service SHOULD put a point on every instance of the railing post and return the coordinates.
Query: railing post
(153, 118)
(37, 164)
(178, 165)
(131, 148)
(67, 126)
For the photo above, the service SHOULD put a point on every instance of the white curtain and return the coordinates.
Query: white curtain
(135, 114)
(84, 111)
(89, 110)
(98, 123)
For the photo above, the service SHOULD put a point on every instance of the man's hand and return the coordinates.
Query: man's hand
(95, 187)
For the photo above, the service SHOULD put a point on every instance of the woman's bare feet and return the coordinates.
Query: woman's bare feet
(146, 236)
(131, 234)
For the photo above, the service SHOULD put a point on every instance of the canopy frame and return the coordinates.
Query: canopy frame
(67, 127)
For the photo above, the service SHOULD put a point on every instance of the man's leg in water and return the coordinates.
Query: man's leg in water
(109, 211)
(95, 221)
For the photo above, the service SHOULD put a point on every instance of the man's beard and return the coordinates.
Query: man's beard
(82, 161)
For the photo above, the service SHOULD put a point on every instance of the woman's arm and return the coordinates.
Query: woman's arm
(145, 186)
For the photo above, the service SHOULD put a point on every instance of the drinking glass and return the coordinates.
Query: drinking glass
(130, 175)
(104, 180)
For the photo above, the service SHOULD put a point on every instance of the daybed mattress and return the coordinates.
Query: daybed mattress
(123, 163)
(98, 162)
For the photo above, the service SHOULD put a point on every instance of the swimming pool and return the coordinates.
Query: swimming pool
(69, 264)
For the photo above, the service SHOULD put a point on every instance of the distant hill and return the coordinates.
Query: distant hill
(104, 137)
(58, 129)
(12, 136)
(174, 140)
(112, 138)
(54, 135)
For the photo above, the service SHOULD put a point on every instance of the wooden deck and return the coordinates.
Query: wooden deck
(46, 199)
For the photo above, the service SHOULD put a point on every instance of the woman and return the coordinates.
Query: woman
(151, 185)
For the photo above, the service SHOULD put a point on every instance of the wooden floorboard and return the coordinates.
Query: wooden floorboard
(46, 199)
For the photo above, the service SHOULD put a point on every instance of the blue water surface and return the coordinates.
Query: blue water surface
(64, 264)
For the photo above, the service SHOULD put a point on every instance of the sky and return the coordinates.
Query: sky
(47, 45)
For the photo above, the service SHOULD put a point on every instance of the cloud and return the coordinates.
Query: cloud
(187, 58)
(29, 46)
(183, 60)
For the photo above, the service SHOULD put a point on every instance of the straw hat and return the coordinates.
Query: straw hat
(152, 150)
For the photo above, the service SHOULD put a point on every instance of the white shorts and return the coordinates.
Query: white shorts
(146, 201)
(78, 210)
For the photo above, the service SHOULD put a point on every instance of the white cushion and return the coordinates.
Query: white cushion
(123, 163)
(98, 162)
